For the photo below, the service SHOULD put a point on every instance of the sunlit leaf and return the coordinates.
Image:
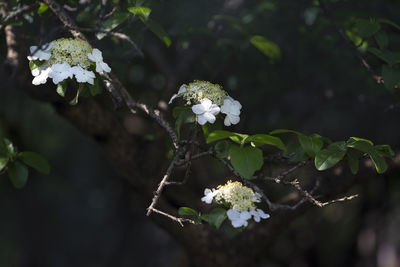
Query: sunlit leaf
(246, 160)
(328, 157)
(3, 162)
(187, 211)
(141, 11)
(266, 139)
(367, 148)
(267, 47)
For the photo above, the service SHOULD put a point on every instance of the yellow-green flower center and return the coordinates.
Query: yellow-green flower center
(198, 90)
(240, 197)
(72, 51)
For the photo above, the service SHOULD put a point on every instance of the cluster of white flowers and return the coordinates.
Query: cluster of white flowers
(208, 100)
(241, 200)
(65, 58)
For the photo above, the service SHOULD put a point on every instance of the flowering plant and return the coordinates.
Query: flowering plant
(63, 59)
(239, 199)
(208, 100)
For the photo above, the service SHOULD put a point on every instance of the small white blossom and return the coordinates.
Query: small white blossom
(231, 108)
(83, 75)
(41, 75)
(237, 218)
(205, 111)
(41, 54)
(257, 214)
(97, 57)
(60, 72)
(241, 201)
(208, 195)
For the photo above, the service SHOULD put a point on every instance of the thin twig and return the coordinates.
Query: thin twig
(174, 218)
(162, 184)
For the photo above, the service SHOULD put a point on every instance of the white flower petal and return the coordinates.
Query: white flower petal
(201, 119)
(206, 103)
(40, 53)
(227, 121)
(214, 109)
(42, 77)
(198, 109)
(245, 215)
(35, 72)
(96, 55)
(182, 89)
(172, 98)
(262, 214)
(209, 117)
(105, 67)
(234, 119)
(233, 214)
(239, 223)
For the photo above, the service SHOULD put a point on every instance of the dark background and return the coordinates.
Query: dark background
(82, 214)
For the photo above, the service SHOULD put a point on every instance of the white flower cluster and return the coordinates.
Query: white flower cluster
(65, 58)
(209, 100)
(241, 200)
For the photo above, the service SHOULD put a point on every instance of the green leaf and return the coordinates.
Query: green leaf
(113, 22)
(379, 54)
(43, 8)
(34, 64)
(267, 140)
(384, 151)
(352, 160)
(391, 76)
(216, 217)
(187, 211)
(388, 56)
(386, 21)
(329, 156)
(141, 11)
(35, 161)
(8, 147)
(355, 139)
(280, 131)
(381, 39)
(158, 31)
(18, 174)
(246, 160)
(366, 147)
(367, 28)
(267, 47)
(222, 149)
(61, 88)
(296, 150)
(3, 163)
(221, 134)
(310, 144)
